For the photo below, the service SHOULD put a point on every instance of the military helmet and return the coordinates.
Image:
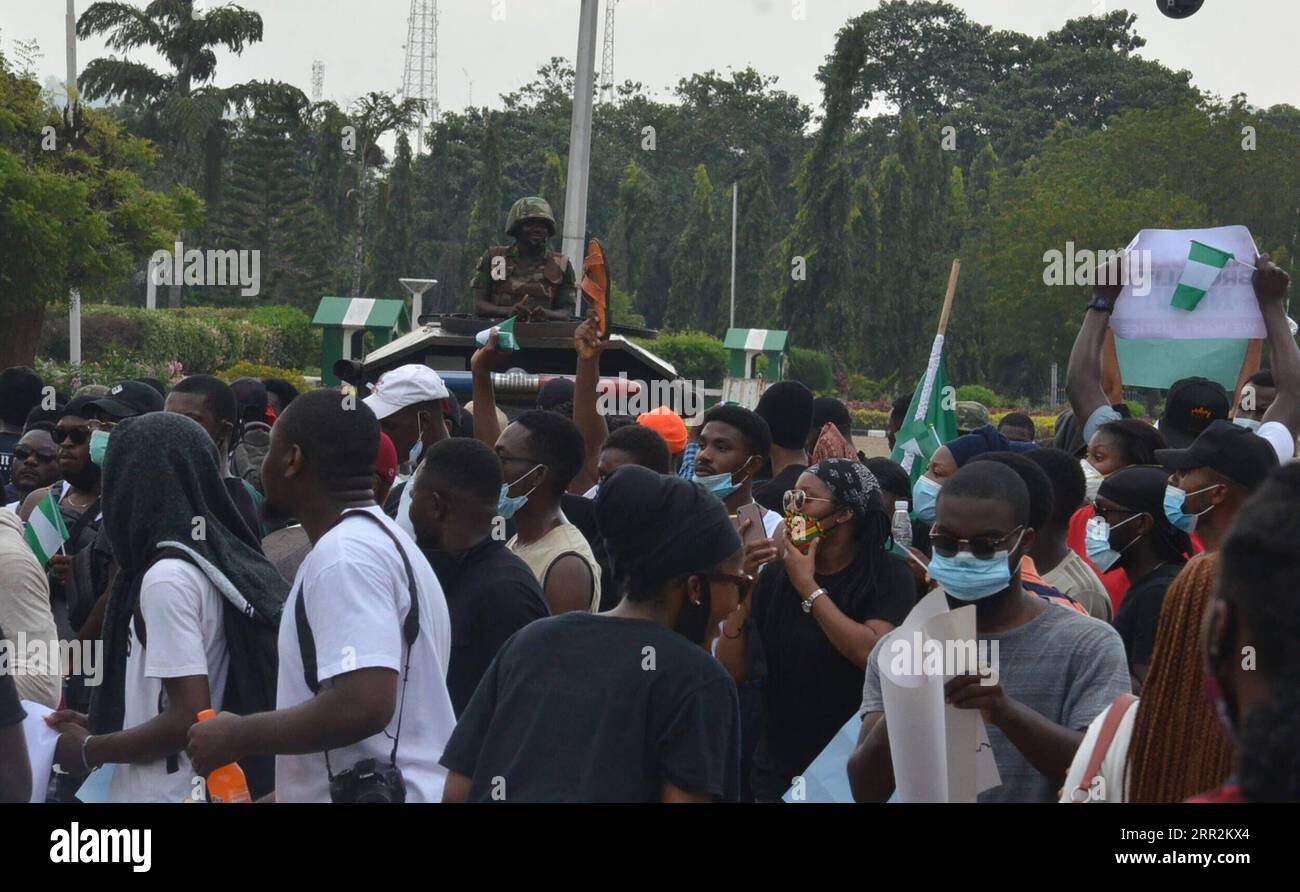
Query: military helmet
(531, 208)
(971, 415)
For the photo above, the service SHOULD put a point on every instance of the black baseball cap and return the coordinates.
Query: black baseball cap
(127, 399)
(1241, 455)
(1191, 405)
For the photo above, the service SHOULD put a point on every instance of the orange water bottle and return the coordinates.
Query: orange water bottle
(227, 783)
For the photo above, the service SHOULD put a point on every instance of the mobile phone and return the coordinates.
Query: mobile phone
(756, 530)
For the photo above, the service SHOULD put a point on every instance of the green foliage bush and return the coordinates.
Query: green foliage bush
(1136, 408)
(695, 355)
(811, 368)
(65, 377)
(252, 370)
(863, 388)
(978, 393)
(869, 419)
(203, 339)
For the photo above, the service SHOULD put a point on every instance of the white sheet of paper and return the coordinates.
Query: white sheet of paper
(1228, 310)
(41, 740)
(940, 753)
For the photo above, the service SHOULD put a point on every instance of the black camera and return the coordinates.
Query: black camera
(368, 781)
(1179, 9)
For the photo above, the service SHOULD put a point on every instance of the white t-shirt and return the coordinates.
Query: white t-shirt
(356, 601)
(186, 634)
(1110, 784)
(404, 508)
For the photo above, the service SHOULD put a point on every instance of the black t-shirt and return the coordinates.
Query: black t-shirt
(587, 708)
(769, 493)
(11, 708)
(811, 689)
(491, 594)
(581, 512)
(1139, 613)
(7, 443)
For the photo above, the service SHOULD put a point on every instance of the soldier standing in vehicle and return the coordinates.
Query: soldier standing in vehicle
(526, 279)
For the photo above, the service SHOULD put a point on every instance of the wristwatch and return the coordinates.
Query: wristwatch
(808, 601)
(1102, 303)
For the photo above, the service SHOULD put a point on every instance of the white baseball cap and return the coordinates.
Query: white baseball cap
(405, 386)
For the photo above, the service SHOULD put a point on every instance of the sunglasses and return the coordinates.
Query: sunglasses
(78, 435)
(22, 453)
(794, 499)
(742, 581)
(981, 547)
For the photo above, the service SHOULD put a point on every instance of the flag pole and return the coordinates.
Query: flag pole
(947, 298)
(936, 349)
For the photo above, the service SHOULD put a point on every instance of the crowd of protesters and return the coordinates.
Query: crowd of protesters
(386, 595)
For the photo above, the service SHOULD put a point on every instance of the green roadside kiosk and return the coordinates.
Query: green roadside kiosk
(744, 345)
(345, 321)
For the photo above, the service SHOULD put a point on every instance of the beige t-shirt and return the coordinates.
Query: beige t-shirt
(1074, 577)
(32, 650)
(564, 539)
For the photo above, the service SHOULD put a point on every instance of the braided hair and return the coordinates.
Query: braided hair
(1179, 748)
(1260, 567)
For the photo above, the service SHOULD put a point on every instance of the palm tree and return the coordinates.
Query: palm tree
(181, 104)
(373, 116)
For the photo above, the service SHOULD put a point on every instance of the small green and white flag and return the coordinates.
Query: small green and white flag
(505, 335)
(931, 417)
(1204, 266)
(46, 532)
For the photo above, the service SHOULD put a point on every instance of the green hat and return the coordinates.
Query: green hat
(531, 208)
(971, 415)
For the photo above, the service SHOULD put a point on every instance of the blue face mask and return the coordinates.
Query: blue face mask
(98, 446)
(1097, 542)
(1249, 424)
(418, 449)
(968, 578)
(508, 505)
(1174, 500)
(925, 499)
(721, 485)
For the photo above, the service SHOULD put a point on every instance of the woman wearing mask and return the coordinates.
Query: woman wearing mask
(1115, 445)
(1131, 533)
(817, 615)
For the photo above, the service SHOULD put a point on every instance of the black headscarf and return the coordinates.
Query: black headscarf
(657, 528)
(161, 475)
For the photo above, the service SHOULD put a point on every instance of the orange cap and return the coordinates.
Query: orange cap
(668, 424)
(205, 714)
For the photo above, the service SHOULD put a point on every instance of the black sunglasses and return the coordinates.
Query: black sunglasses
(742, 581)
(22, 453)
(981, 547)
(78, 435)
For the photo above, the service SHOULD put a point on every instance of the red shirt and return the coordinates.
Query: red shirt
(1229, 792)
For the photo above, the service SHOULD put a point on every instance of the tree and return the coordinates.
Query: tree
(392, 250)
(181, 105)
(486, 218)
(373, 116)
(552, 188)
(756, 243)
(79, 216)
(696, 294)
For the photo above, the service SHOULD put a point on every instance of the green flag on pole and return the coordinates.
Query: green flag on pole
(46, 531)
(931, 417)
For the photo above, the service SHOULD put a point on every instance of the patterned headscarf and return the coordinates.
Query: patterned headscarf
(831, 444)
(852, 485)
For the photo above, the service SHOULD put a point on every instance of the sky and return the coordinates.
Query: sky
(495, 46)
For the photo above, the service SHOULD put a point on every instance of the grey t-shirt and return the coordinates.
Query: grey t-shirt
(1065, 666)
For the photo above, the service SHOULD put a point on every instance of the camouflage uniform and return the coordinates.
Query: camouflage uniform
(971, 415)
(547, 280)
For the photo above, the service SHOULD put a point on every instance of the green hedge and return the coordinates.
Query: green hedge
(66, 377)
(874, 419)
(811, 368)
(202, 339)
(696, 355)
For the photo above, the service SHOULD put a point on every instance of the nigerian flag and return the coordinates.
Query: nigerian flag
(1204, 265)
(46, 531)
(931, 420)
(505, 335)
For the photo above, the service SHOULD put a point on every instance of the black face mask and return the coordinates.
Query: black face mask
(86, 478)
(693, 621)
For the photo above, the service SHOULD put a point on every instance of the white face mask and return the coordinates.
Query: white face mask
(1092, 479)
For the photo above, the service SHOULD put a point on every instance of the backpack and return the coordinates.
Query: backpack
(252, 641)
(246, 460)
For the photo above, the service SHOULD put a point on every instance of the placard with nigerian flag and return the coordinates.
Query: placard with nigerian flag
(46, 532)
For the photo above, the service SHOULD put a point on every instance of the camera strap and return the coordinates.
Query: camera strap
(410, 630)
